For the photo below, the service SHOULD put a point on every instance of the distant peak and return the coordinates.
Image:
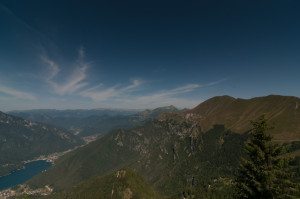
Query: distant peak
(223, 97)
(170, 107)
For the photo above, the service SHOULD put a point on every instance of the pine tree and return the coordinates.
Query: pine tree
(265, 172)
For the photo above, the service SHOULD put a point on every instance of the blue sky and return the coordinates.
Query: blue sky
(145, 54)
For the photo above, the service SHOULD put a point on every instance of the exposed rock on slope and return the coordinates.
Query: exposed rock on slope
(193, 153)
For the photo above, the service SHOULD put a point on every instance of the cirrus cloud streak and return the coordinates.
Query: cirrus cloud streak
(130, 95)
(75, 81)
(16, 93)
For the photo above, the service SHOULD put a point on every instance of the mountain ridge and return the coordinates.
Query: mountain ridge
(91, 122)
(22, 140)
(236, 114)
(193, 151)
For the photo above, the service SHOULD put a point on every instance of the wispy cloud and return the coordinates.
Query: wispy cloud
(16, 93)
(216, 82)
(171, 97)
(135, 83)
(126, 97)
(75, 80)
(100, 94)
(119, 95)
(163, 98)
(52, 66)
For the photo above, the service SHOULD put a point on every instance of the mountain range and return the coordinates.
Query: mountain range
(191, 153)
(95, 121)
(283, 113)
(22, 140)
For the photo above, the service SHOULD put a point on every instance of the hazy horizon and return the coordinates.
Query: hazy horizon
(139, 109)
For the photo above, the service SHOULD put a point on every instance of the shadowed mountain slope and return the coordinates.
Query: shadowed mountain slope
(172, 156)
(192, 153)
(23, 140)
(283, 112)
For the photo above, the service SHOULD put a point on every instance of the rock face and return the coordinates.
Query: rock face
(23, 139)
(171, 155)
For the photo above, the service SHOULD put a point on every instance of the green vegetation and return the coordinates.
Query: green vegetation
(172, 156)
(124, 184)
(191, 154)
(266, 173)
(23, 140)
(282, 112)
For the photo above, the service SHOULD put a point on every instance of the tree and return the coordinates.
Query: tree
(264, 173)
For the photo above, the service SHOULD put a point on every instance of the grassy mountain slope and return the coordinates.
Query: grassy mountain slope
(283, 113)
(124, 184)
(192, 153)
(22, 140)
(99, 157)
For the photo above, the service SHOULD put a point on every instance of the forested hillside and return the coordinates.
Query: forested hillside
(178, 155)
(23, 140)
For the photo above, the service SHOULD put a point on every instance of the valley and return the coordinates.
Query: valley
(190, 152)
(85, 123)
(22, 140)
(149, 99)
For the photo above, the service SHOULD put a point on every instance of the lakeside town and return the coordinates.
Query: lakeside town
(54, 156)
(24, 189)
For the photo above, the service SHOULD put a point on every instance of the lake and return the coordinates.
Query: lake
(20, 176)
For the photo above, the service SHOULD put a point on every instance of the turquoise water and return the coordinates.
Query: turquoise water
(20, 176)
